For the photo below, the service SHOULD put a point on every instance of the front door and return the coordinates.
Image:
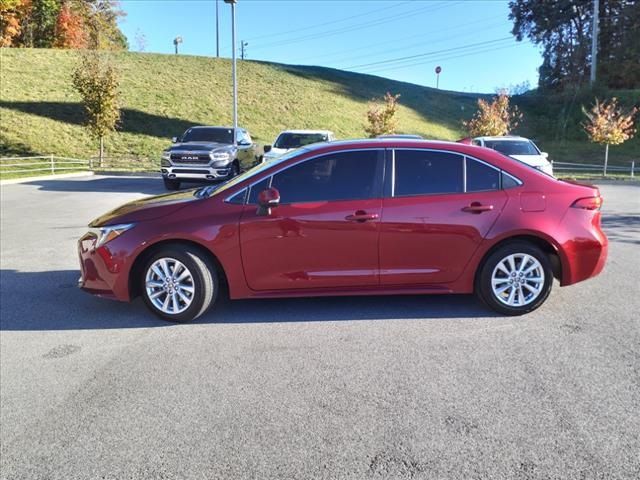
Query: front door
(324, 233)
(441, 207)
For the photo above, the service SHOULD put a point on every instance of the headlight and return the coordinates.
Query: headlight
(165, 163)
(166, 155)
(108, 233)
(219, 156)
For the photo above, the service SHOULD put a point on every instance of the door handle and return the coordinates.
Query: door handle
(477, 207)
(361, 216)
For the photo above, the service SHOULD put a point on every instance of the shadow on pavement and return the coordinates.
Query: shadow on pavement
(114, 184)
(52, 301)
(622, 227)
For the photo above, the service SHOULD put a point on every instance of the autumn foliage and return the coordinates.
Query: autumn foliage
(495, 118)
(381, 118)
(70, 29)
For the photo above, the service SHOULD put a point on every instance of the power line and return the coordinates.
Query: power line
(421, 35)
(409, 57)
(309, 27)
(355, 27)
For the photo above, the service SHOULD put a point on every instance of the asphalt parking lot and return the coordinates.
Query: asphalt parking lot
(368, 387)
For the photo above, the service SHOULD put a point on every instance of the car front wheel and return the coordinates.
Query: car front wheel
(515, 279)
(179, 284)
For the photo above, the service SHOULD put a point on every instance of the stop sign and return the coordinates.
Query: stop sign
(438, 69)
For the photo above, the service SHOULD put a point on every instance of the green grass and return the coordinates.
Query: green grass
(162, 95)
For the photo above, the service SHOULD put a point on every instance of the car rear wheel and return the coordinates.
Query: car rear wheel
(170, 184)
(515, 279)
(179, 284)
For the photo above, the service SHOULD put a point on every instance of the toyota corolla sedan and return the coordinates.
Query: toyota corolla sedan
(360, 217)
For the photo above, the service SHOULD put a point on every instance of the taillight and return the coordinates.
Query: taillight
(588, 203)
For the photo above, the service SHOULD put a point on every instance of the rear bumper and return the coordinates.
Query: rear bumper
(101, 271)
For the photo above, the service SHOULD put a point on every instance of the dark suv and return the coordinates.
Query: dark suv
(207, 153)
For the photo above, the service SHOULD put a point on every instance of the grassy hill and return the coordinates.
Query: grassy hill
(162, 95)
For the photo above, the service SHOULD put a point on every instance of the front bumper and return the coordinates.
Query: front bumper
(102, 272)
(195, 172)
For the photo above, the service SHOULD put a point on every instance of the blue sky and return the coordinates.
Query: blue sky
(403, 40)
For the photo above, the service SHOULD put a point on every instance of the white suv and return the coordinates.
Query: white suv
(292, 139)
(519, 148)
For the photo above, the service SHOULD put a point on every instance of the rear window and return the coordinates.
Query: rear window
(512, 147)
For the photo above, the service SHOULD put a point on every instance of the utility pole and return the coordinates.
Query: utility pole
(217, 33)
(243, 49)
(594, 41)
(233, 58)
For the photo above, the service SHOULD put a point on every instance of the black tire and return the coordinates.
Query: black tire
(235, 170)
(203, 273)
(170, 184)
(483, 287)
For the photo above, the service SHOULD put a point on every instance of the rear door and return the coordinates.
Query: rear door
(439, 206)
(324, 233)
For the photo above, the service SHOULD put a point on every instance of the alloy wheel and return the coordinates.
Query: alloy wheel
(517, 279)
(169, 286)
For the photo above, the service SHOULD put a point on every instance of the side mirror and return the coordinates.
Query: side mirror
(174, 139)
(544, 154)
(268, 199)
(266, 148)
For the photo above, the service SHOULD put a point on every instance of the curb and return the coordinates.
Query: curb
(12, 181)
(124, 173)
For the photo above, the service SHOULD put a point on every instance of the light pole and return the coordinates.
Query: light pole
(438, 70)
(217, 33)
(233, 57)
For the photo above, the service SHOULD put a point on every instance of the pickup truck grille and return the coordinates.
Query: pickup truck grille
(200, 159)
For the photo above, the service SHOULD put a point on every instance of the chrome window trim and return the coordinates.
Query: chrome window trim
(379, 149)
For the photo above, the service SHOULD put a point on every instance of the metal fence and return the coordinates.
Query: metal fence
(595, 168)
(41, 165)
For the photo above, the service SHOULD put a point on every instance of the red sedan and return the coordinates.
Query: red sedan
(361, 217)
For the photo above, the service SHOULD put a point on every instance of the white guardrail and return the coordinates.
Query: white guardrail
(41, 165)
(594, 168)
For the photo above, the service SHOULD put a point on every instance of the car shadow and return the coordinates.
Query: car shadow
(51, 301)
(108, 184)
(622, 227)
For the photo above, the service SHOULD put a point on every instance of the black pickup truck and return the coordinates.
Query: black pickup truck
(207, 154)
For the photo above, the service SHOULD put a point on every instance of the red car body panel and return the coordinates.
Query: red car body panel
(419, 244)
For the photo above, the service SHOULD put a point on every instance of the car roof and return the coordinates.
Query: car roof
(401, 135)
(326, 132)
(214, 126)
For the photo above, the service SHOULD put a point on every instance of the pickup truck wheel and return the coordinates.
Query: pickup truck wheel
(171, 184)
(235, 170)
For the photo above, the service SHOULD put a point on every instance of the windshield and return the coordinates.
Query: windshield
(215, 135)
(512, 147)
(209, 190)
(296, 140)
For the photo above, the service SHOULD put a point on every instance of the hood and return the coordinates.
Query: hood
(200, 147)
(277, 152)
(147, 208)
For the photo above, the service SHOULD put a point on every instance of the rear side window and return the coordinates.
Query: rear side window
(336, 176)
(426, 172)
(481, 177)
(508, 181)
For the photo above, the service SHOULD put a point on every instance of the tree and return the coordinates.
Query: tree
(96, 80)
(607, 124)
(12, 14)
(564, 29)
(494, 118)
(70, 29)
(381, 118)
(44, 14)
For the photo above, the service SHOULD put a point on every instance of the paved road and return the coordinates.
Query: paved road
(357, 388)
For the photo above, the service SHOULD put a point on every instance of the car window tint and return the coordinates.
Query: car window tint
(256, 189)
(481, 177)
(508, 181)
(427, 172)
(337, 176)
(239, 197)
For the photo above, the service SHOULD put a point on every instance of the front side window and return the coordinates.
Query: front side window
(336, 176)
(256, 189)
(424, 172)
(481, 177)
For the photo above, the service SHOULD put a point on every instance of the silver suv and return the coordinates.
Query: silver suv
(207, 153)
